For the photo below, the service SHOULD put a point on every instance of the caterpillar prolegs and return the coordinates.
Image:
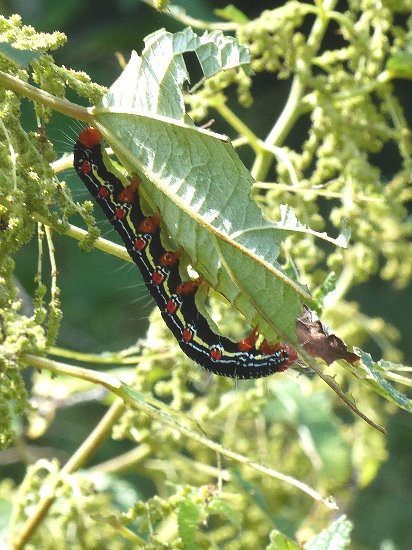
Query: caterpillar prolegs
(160, 271)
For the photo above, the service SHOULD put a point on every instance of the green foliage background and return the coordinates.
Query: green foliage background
(370, 475)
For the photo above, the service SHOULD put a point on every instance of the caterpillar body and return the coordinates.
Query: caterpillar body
(160, 271)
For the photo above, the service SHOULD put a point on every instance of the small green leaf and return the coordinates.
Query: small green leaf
(373, 376)
(279, 541)
(218, 506)
(187, 519)
(334, 537)
(23, 58)
(232, 13)
(328, 286)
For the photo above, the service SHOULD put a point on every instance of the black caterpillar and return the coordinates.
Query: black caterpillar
(160, 271)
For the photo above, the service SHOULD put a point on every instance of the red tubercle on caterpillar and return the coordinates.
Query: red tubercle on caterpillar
(149, 225)
(173, 304)
(89, 137)
(216, 353)
(249, 342)
(85, 167)
(120, 213)
(159, 275)
(188, 287)
(103, 192)
(188, 333)
(129, 192)
(168, 258)
(140, 243)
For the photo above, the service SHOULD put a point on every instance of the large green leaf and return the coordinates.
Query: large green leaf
(196, 180)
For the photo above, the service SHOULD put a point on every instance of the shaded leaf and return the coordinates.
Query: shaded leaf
(23, 58)
(319, 433)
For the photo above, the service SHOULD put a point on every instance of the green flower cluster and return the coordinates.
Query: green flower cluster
(28, 196)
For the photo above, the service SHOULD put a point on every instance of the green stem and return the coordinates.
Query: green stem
(238, 125)
(45, 98)
(378, 82)
(120, 358)
(124, 461)
(100, 243)
(101, 432)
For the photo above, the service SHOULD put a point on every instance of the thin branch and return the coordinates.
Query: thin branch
(45, 98)
(332, 384)
(13, 156)
(320, 192)
(124, 357)
(232, 119)
(161, 412)
(124, 461)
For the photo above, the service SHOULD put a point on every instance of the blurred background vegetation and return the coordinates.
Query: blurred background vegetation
(105, 292)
